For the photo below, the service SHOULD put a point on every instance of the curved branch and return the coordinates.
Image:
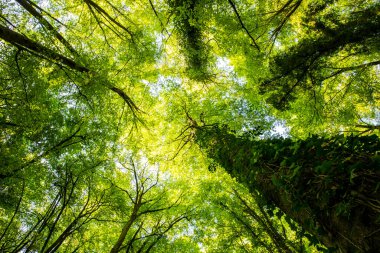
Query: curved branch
(27, 6)
(242, 24)
(24, 42)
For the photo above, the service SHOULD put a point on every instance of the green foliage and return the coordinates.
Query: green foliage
(101, 101)
(306, 65)
(192, 40)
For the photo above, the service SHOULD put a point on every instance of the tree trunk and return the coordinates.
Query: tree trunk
(328, 185)
(123, 233)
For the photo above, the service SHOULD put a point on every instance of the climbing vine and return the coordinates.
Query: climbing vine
(191, 38)
(325, 181)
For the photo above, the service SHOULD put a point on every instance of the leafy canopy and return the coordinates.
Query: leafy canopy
(97, 100)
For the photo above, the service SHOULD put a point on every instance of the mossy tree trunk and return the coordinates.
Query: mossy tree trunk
(330, 186)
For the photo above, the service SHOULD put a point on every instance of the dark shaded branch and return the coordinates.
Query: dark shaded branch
(162, 233)
(31, 235)
(277, 239)
(39, 50)
(24, 42)
(278, 29)
(92, 4)
(8, 124)
(351, 68)
(47, 13)
(82, 218)
(60, 145)
(126, 99)
(247, 226)
(242, 24)
(67, 194)
(155, 13)
(15, 212)
(27, 6)
(134, 238)
(372, 127)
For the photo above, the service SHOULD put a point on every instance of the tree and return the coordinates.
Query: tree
(190, 33)
(72, 201)
(319, 182)
(307, 65)
(78, 197)
(24, 43)
(143, 205)
(96, 137)
(247, 214)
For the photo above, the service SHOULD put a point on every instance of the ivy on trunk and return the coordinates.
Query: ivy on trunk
(330, 186)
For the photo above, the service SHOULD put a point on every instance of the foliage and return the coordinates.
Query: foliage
(101, 101)
(190, 32)
(307, 65)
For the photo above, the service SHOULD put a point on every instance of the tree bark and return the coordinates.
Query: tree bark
(123, 233)
(297, 194)
(27, 44)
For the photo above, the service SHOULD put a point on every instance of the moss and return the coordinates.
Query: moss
(328, 185)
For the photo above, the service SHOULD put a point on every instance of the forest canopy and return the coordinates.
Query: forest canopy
(189, 126)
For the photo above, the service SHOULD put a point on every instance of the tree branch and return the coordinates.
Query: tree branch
(27, 6)
(242, 24)
(38, 49)
(24, 42)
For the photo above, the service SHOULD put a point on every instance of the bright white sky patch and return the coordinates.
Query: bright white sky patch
(223, 63)
(280, 129)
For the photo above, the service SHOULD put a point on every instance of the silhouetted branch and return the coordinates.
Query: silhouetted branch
(242, 24)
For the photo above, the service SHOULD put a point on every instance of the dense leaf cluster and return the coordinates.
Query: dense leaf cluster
(306, 65)
(191, 37)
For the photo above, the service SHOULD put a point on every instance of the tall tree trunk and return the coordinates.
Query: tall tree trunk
(123, 234)
(330, 186)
